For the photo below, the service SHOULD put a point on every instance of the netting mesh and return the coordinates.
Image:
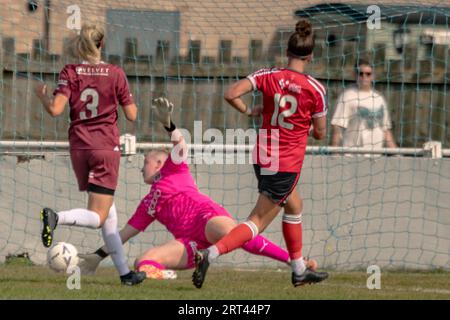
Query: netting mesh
(392, 211)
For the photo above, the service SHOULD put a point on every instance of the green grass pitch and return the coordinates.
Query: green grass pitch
(38, 282)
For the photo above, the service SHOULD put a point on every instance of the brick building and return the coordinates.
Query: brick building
(180, 25)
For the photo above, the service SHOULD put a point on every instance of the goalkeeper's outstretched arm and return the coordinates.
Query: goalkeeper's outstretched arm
(89, 262)
(163, 109)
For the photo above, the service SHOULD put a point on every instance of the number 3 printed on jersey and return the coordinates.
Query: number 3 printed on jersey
(277, 117)
(92, 106)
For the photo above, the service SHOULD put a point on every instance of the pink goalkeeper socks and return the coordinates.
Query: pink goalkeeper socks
(264, 247)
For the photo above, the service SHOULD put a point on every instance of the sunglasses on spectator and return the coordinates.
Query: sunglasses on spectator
(365, 73)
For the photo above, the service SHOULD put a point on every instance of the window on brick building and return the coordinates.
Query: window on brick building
(224, 51)
(154, 33)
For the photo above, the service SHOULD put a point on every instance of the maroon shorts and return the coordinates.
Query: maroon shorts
(98, 168)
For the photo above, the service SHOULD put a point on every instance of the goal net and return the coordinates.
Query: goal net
(389, 207)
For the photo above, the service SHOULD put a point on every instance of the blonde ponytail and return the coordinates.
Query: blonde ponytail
(86, 46)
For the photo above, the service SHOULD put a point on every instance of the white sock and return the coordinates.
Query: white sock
(213, 253)
(298, 266)
(80, 218)
(113, 242)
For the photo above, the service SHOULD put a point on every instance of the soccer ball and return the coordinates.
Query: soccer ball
(62, 256)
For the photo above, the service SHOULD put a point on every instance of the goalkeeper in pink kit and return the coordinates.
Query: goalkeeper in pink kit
(174, 200)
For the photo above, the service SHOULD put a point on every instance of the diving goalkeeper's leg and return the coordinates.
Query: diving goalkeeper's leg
(263, 213)
(220, 225)
(157, 262)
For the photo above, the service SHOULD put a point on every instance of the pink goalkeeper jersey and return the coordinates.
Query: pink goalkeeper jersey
(182, 215)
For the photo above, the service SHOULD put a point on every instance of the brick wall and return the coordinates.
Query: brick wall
(207, 21)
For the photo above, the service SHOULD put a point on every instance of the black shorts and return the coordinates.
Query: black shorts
(278, 186)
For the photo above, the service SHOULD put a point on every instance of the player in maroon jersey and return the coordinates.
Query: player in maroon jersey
(292, 101)
(93, 89)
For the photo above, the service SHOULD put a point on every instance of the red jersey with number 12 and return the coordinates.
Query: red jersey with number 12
(94, 92)
(290, 101)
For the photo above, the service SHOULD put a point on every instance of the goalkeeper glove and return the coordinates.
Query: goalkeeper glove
(89, 263)
(163, 109)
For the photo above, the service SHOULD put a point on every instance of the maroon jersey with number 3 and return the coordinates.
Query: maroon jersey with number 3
(94, 92)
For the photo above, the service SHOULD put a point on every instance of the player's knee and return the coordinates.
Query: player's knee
(294, 207)
(105, 217)
(149, 256)
(217, 227)
(102, 221)
(148, 260)
(260, 221)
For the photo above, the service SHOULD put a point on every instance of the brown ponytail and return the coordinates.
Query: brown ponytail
(301, 42)
(86, 46)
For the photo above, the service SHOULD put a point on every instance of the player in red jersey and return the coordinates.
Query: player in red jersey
(292, 101)
(93, 89)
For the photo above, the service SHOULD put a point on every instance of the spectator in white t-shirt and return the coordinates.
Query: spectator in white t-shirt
(361, 117)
